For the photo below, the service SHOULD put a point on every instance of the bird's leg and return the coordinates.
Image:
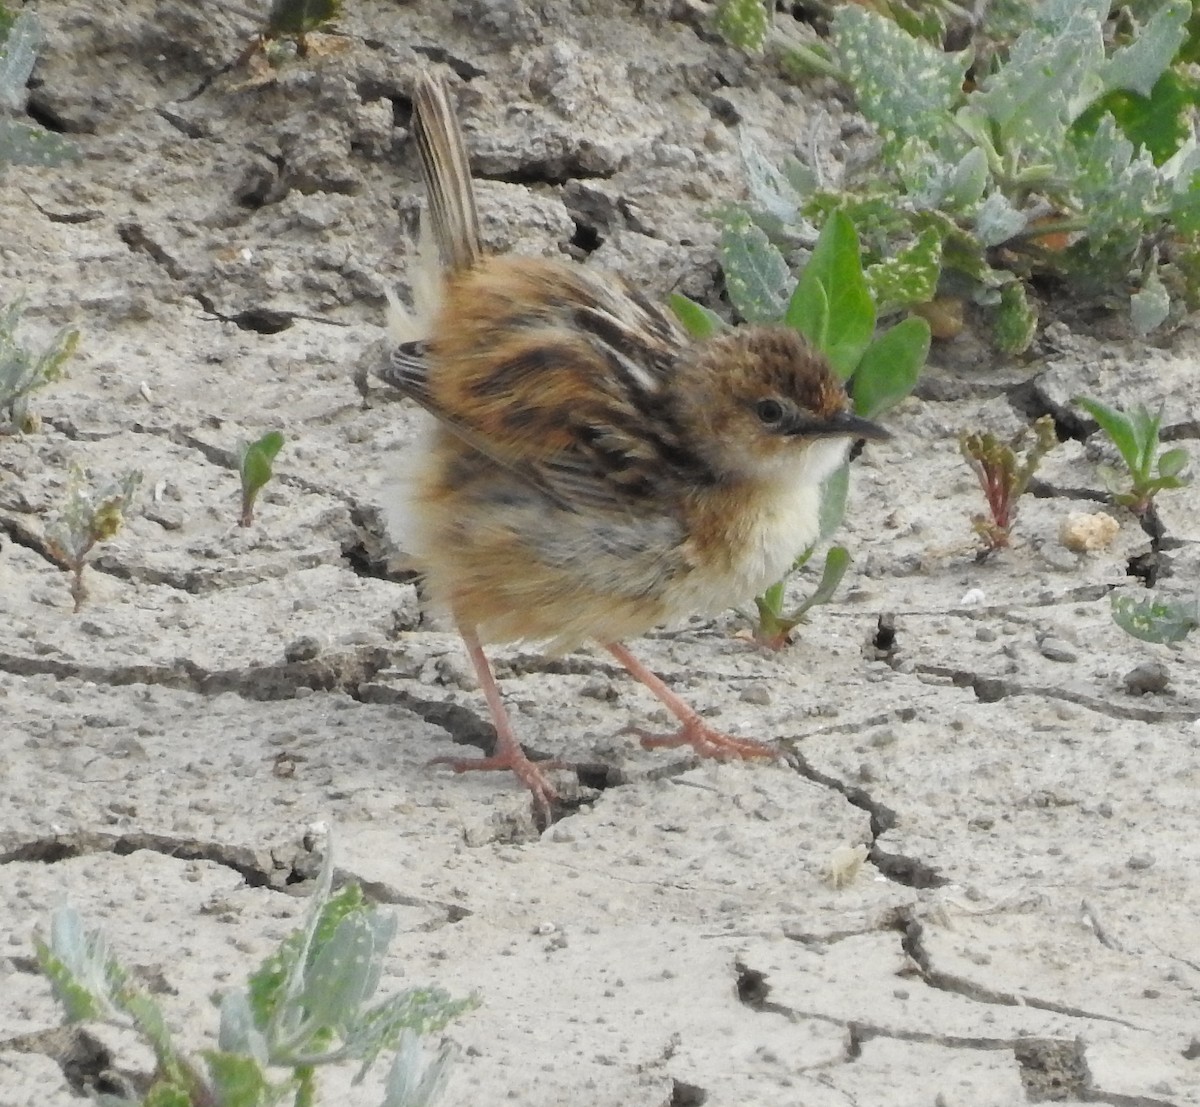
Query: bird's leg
(507, 753)
(707, 741)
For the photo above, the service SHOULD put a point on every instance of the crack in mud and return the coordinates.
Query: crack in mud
(344, 672)
(267, 868)
(991, 689)
(912, 933)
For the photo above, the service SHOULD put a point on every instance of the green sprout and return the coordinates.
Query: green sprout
(1135, 435)
(1004, 470)
(255, 468)
(1154, 619)
(834, 307)
(23, 371)
(88, 516)
(308, 1005)
(294, 20)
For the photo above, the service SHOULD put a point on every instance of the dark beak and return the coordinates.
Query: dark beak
(842, 425)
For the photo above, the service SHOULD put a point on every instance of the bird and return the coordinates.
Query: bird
(592, 471)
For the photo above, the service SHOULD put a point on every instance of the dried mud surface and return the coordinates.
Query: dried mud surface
(1024, 928)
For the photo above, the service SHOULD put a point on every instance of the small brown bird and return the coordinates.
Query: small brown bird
(593, 471)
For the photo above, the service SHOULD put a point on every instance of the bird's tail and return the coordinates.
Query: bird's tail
(449, 235)
(452, 216)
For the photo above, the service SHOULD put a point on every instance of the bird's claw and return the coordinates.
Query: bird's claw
(709, 742)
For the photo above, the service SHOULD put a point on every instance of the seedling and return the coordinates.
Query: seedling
(255, 468)
(23, 370)
(1004, 470)
(22, 142)
(1155, 620)
(308, 1005)
(294, 20)
(832, 305)
(1135, 435)
(88, 516)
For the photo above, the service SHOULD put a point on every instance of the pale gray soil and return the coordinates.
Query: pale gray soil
(1025, 926)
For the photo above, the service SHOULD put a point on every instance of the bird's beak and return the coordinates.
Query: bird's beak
(844, 424)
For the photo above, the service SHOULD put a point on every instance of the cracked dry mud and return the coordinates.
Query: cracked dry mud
(1024, 927)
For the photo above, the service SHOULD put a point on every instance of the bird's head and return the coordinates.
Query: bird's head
(766, 403)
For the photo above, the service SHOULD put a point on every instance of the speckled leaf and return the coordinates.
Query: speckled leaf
(1138, 66)
(903, 85)
(18, 52)
(1016, 319)
(1153, 620)
(743, 23)
(756, 276)
(910, 277)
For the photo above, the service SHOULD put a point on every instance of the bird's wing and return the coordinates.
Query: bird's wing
(612, 464)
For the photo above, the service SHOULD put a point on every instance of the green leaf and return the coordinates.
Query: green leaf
(86, 980)
(837, 563)
(808, 313)
(836, 266)
(296, 17)
(697, 320)
(1138, 66)
(903, 85)
(1150, 305)
(1117, 426)
(756, 276)
(412, 1081)
(237, 1080)
(18, 52)
(890, 367)
(1153, 620)
(743, 23)
(909, 277)
(1173, 462)
(1016, 319)
(1052, 74)
(24, 144)
(345, 970)
(833, 502)
(256, 469)
(168, 1093)
(1158, 122)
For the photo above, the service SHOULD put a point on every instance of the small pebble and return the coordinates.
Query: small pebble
(1147, 678)
(1082, 532)
(304, 648)
(1055, 649)
(756, 693)
(1139, 862)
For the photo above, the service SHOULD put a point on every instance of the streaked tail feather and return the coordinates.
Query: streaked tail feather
(453, 217)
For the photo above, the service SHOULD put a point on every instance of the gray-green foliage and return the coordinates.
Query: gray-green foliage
(88, 515)
(1154, 619)
(22, 143)
(311, 1003)
(1009, 160)
(24, 370)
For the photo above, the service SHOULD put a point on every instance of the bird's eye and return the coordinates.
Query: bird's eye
(769, 412)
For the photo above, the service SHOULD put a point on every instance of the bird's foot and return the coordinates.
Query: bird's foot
(514, 760)
(707, 741)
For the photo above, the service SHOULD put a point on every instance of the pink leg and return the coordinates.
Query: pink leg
(508, 754)
(695, 732)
